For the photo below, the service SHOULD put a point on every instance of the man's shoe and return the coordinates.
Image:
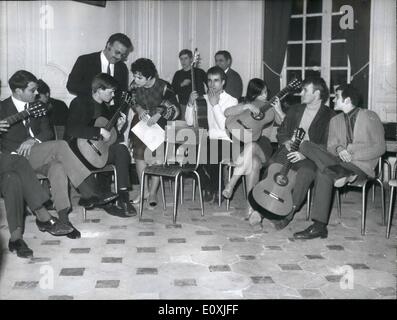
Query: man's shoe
(75, 234)
(115, 210)
(54, 226)
(127, 207)
(22, 249)
(312, 232)
(281, 224)
(340, 175)
(90, 203)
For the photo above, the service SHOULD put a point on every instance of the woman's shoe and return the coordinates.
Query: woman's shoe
(152, 201)
(138, 198)
(228, 191)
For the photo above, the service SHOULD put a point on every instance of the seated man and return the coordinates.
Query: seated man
(356, 140)
(313, 116)
(54, 159)
(80, 124)
(18, 183)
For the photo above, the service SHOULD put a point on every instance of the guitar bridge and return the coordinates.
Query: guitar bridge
(274, 196)
(94, 147)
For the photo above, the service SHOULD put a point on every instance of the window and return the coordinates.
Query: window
(316, 45)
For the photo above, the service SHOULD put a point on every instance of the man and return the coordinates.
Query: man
(234, 84)
(54, 159)
(182, 80)
(356, 140)
(58, 110)
(80, 124)
(218, 140)
(110, 60)
(18, 183)
(313, 116)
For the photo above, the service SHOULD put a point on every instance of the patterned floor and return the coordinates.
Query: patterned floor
(218, 256)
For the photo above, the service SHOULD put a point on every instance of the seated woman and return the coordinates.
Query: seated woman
(256, 153)
(155, 98)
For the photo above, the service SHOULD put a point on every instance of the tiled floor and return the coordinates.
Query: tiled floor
(218, 256)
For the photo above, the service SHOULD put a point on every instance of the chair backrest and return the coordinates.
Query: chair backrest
(184, 145)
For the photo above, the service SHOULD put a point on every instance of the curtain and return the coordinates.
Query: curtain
(277, 17)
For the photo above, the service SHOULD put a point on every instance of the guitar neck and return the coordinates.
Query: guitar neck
(286, 163)
(17, 117)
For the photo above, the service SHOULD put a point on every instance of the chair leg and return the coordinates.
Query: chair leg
(382, 193)
(220, 185)
(245, 187)
(200, 193)
(84, 214)
(338, 204)
(229, 177)
(163, 193)
(308, 204)
(194, 190)
(175, 199)
(141, 200)
(181, 188)
(363, 209)
(116, 187)
(390, 216)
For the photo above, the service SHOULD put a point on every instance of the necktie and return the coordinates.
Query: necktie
(108, 71)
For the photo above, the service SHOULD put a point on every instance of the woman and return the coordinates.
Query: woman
(154, 98)
(255, 154)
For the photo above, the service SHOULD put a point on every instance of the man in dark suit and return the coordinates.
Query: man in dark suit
(234, 84)
(110, 60)
(54, 159)
(313, 116)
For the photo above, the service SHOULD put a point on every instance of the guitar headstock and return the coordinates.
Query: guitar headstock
(294, 85)
(299, 134)
(128, 97)
(196, 58)
(37, 109)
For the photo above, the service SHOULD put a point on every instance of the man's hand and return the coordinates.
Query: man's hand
(4, 126)
(295, 156)
(121, 121)
(192, 98)
(153, 120)
(345, 156)
(25, 147)
(186, 82)
(105, 134)
(213, 97)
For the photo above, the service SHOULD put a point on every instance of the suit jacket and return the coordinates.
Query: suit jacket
(368, 139)
(86, 68)
(234, 84)
(318, 130)
(18, 133)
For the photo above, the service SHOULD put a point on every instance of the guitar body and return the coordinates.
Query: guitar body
(202, 119)
(96, 152)
(274, 192)
(244, 127)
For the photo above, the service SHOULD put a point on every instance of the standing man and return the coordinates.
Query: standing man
(218, 143)
(313, 116)
(182, 80)
(110, 60)
(234, 84)
(356, 140)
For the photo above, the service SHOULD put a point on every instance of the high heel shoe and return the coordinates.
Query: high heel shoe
(227, 192)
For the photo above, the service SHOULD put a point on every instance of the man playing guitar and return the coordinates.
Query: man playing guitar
(313, 116)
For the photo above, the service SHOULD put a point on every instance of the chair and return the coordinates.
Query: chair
(229, 165)
(182, 157)
(363, 183)
(393, 185)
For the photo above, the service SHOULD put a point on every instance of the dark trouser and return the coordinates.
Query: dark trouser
(324, 184)
(305, 174)
(19, 183)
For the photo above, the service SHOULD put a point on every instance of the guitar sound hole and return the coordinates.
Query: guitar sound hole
(280, 179)
(260, 116)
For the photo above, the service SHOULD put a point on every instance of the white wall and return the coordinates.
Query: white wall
(158, 30)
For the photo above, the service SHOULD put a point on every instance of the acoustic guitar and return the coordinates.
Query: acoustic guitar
(201, 103)
(95, 153)
(34, 110)
(246, 127)
(274, 192)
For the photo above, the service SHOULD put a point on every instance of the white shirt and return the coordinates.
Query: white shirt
(105, 63)
(215, 115)
(20, 105)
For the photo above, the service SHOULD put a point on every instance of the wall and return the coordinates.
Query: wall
(158, 30)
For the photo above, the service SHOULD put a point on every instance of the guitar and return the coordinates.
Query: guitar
(201, 103)
(246, 127)
(95, 153)
(274, 192)
(35, 110)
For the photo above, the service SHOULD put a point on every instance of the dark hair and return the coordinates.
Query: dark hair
(318, 84)
(224, 53)
(186, 51)
(348, 91)
(254, 89)
(122, 38)
(144, 66)
(103, 81)
(217, 70)
(21, 79)
(42, 88)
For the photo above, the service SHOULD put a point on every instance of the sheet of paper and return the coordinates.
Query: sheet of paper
(152, 136)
